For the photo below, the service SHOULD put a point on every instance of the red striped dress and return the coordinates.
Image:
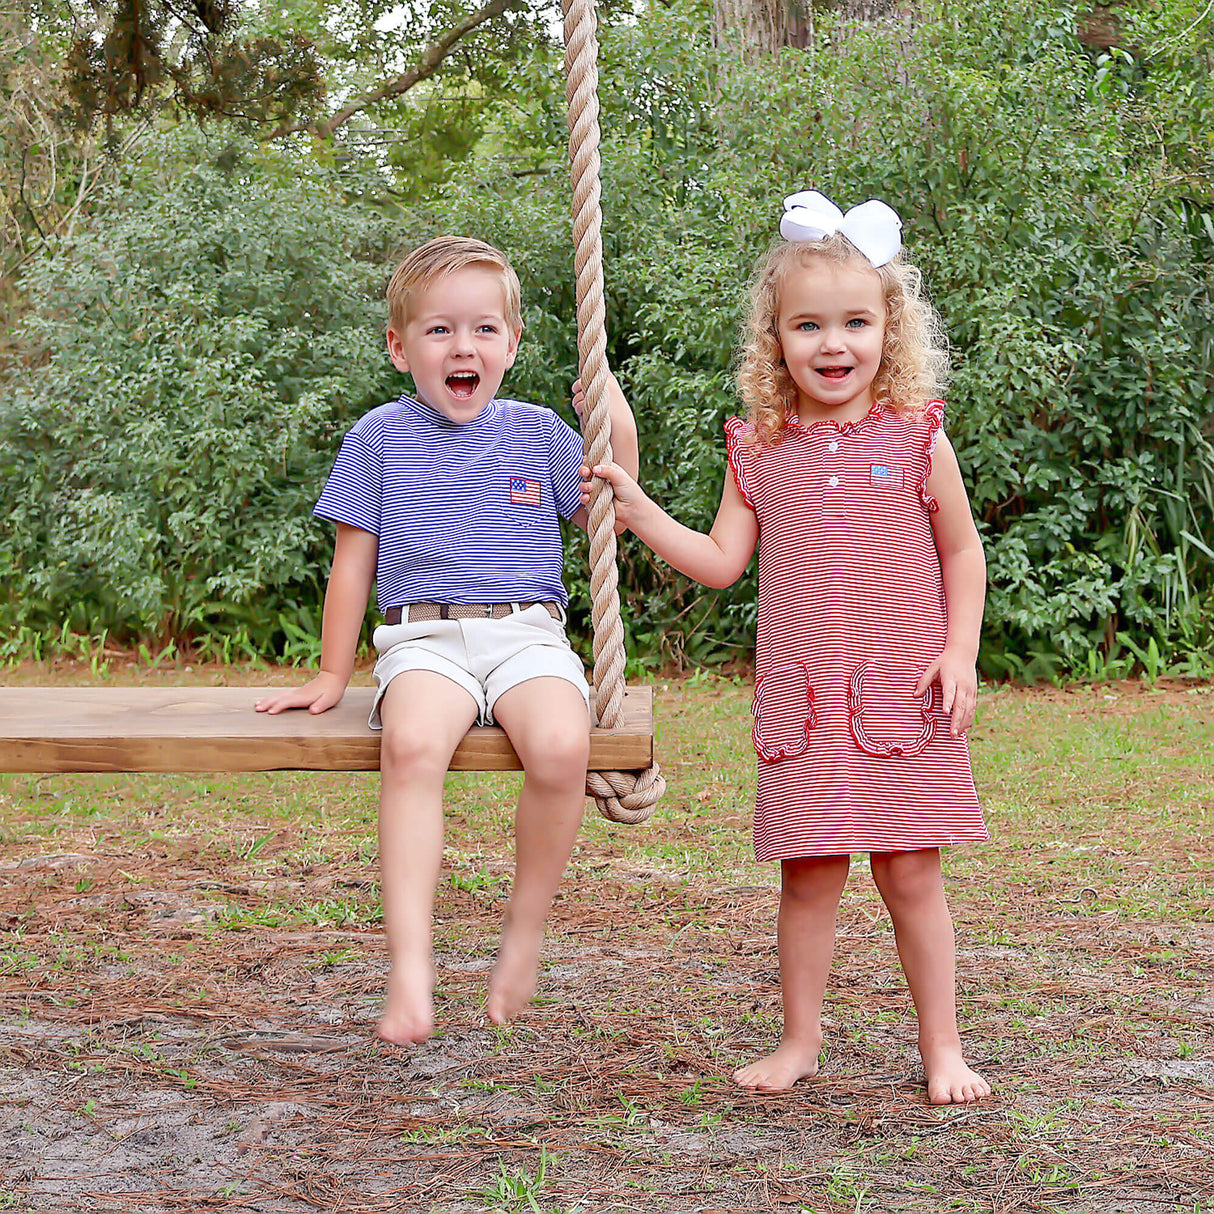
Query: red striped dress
(851, 611)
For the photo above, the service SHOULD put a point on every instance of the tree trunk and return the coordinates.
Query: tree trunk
(761, 27)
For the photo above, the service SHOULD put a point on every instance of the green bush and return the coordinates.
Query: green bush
(191, 361)
(1058, 199)
(1071, 255)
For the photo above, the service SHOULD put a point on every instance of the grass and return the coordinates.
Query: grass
(190, 968)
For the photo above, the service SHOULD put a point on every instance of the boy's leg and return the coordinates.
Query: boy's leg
(424, 717)
(912, 887)
(548, 724)
(810, 889)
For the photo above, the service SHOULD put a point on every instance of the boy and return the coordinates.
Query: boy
(450, 502)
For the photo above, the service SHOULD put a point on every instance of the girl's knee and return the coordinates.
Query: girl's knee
(909, 876)
(809, 878)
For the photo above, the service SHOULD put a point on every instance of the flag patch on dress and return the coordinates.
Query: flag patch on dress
(524, 492)
(882, 476)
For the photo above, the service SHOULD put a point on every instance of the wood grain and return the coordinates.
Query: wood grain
(55, 729)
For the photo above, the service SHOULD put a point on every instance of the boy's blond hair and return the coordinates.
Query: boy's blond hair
(914, 360)
(445, 255)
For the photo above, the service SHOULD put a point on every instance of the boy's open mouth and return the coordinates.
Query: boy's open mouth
(462, 384)
(834, 372)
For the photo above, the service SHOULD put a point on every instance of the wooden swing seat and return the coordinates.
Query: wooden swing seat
(184, 729)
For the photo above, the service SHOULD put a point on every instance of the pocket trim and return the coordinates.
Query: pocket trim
(886, 750)
(773, 754)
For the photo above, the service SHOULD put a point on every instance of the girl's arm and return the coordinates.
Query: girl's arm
(716, 559)
(345, 606)
(963, 566)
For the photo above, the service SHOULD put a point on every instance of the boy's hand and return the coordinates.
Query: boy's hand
(629, 498)
(322, 693)
(959, 687)
(579, 397)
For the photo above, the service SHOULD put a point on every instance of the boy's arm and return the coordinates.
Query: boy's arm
(717, 559)
(622, 433)
(625, 448)
(345, 606)
(963, 566)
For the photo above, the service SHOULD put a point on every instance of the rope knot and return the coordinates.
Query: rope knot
(626, 796)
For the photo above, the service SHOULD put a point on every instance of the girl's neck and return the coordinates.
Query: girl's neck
(810, 412)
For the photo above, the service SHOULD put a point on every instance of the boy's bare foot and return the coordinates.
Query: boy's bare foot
(408, 1017)
(949, 1079)
(778, 1072)
(514, 976)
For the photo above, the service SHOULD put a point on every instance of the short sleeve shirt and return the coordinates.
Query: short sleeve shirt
(465, 513)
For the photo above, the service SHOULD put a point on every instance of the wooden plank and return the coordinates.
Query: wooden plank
(58, 729)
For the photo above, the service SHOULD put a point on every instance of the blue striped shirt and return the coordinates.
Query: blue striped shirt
(464, 513)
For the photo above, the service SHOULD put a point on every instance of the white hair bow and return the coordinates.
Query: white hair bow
(872, 227)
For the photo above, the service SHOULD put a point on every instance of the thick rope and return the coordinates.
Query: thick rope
(620, 796)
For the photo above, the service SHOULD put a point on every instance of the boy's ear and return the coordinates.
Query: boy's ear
(512, 352)
(396, 350)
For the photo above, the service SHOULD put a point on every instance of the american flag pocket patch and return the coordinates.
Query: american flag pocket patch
(524, 492)
(882, 476)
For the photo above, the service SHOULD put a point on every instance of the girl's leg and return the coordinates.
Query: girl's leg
(548, 725)
(810, 889)
(912, 887)
(424, 715)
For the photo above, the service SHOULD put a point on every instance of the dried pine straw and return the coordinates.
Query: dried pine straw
(190, 975)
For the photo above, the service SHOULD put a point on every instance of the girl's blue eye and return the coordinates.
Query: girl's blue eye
(857, 321)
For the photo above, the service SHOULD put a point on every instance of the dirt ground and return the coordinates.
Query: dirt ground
(191, 968)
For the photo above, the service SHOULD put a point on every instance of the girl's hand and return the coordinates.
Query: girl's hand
(322, 693)
(629, 499)
(958, 681)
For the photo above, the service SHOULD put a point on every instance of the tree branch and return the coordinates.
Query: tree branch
(430, 61)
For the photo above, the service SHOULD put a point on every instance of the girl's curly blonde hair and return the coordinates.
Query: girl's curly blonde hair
(914, 357)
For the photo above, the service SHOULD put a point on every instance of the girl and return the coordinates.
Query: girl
(871, 588)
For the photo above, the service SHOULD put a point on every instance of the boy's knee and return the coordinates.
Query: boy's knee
(412, 752)
(558, 753)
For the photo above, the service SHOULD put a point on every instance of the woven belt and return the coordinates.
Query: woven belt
(424, 613)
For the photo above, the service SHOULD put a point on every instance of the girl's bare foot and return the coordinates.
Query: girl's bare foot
(514, 976)
(949, 1079)
(778, 1072)
(408, 1017)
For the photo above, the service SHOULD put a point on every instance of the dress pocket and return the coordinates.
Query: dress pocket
(888, 720)
(784, 712)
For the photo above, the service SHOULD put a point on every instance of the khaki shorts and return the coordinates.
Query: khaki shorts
(484, 657)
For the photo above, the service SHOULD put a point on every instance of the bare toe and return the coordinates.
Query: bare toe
(408, 1016)
(514, 978)
(778, 1072)
(951, 1081)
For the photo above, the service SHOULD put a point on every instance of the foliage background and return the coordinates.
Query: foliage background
(182, 364)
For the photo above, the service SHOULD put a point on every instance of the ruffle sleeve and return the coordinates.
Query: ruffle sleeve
(933, 418)
(738, 451)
